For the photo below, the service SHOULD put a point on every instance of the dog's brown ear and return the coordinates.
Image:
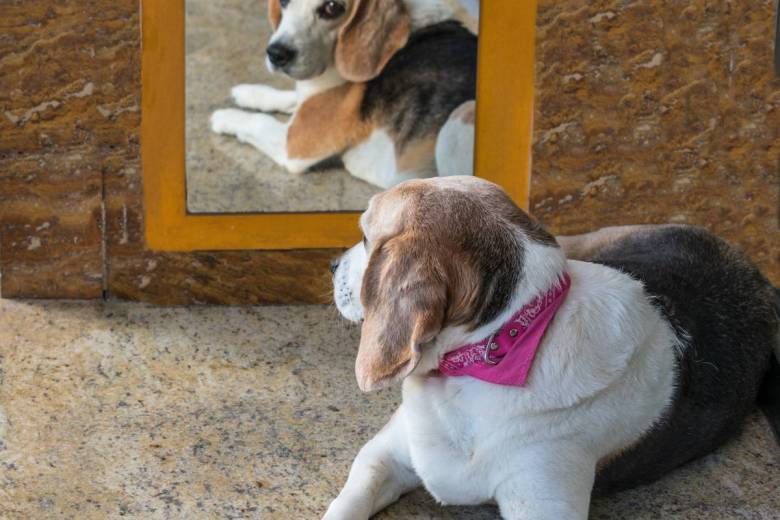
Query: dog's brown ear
(374, 32)
(404, 296)
(274, 13)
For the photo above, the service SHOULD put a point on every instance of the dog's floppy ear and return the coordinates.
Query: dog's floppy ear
(405, 296)
(274, 13)
(374, 32)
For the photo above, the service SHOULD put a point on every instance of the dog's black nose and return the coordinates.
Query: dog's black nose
(334, 265)
(280, 54)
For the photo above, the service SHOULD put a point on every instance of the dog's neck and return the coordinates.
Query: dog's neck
(543, 267)
(506, 356)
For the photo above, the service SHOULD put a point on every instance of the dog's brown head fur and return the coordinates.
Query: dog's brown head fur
(274, 13)
(373, 33)
(441, 253)
(358, 37)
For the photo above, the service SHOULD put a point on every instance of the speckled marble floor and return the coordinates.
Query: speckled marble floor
(226, 42)
(117, 410)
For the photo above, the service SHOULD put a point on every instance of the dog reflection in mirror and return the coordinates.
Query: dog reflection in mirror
(530, 379)
(386, 85)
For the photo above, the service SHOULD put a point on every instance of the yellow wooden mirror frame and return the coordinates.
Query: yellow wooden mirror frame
(505, 93)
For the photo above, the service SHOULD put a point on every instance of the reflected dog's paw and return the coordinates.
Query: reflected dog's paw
(264, 98)
(229, 121)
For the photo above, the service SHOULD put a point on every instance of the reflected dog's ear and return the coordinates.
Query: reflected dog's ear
(405, 297)
(374, 32)
(274, 13)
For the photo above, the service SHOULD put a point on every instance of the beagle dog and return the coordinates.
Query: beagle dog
(533, 380)
(385, 85)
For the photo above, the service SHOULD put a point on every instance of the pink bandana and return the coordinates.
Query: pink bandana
(505, 358)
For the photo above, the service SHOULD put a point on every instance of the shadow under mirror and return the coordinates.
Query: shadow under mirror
(228, 172)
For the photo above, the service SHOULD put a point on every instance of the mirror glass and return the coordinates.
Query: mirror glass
(241, 155)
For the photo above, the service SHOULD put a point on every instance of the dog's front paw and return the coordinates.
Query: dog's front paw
(250, 96)
(341, 509)
(264, 98)
(228, 121)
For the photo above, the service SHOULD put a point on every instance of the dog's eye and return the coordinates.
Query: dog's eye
(284, 3)
(330, 10)
(365, 242)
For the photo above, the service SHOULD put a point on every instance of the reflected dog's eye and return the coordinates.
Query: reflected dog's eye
(330, 10)
(284, 3)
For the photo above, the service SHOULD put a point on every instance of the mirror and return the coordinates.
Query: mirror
(234, 171)
(501, 145)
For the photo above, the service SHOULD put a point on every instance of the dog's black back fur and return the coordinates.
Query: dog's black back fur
(424, 82)
(724, 314)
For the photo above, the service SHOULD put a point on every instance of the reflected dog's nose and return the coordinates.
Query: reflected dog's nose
(334, 265)
(280, 54)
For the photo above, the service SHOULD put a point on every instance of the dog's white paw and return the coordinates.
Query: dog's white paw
(250, 96)
(264, 98)
(342, 510)
(228, 121)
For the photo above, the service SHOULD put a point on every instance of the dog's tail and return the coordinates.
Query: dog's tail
(770, 392)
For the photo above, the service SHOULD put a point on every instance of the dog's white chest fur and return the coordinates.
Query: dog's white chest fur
(592, 386)
(444, 442)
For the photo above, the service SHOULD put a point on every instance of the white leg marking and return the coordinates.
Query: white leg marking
(381, 473)
(263, 132)
(553, 482)
(265, 98)
(260, 130)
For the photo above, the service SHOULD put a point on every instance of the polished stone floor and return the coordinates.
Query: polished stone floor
(119, 410)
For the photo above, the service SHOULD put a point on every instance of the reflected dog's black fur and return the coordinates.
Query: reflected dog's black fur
(425, 82)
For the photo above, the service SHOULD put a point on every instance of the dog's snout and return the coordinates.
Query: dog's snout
(334, 265)
(280, 54)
